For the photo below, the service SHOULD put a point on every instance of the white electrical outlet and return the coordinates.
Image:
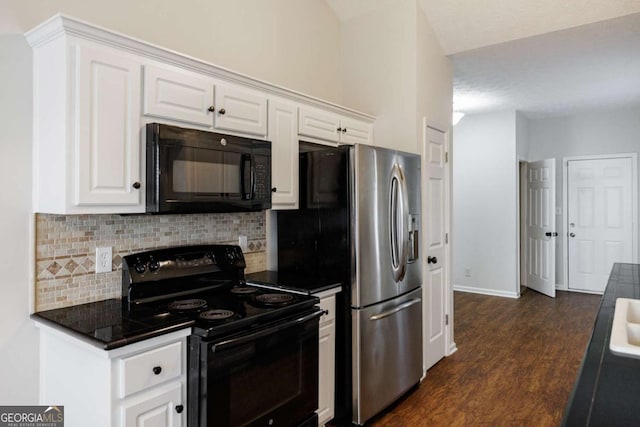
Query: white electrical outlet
(242, 241)
(467, 272)
(103, 259)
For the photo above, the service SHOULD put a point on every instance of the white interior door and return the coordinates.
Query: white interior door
(599, 221)
(434, 289)
(541, 227)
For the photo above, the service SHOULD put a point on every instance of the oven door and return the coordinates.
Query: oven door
(265, 378)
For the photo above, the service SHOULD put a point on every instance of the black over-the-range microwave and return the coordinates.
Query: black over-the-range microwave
(192, 171)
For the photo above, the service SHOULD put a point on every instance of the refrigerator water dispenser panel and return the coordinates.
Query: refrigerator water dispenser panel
(414, 238)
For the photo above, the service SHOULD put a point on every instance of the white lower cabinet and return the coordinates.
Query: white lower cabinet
(140, 384)
(159, 409)
(327, 359)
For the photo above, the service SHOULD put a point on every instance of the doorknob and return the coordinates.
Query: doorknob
(572, 234)
(432, 260)
(550, 234)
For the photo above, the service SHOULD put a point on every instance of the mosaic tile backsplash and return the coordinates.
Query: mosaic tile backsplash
(66, 245)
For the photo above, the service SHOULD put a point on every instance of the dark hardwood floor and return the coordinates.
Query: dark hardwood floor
(516, 363)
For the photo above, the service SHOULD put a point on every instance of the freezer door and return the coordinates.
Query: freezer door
(387, 353)
(385, 219)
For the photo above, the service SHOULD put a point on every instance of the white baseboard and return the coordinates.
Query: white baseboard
(484, 291)
(561, 287)
(452, 349)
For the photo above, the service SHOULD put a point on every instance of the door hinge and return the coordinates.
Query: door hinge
(446, 157)
(446, 238)
(446, 319)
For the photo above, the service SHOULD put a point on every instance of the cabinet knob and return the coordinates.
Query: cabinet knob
(212, 109)
(179, 409)
(339, 129)
(344, 130)
(432, 260)
(274, 189)
(572, 234)
(157, 370)
(222, 111)
(136, 185)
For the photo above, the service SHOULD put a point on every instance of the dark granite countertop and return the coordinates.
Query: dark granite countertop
(607, 390)
(303, 284)
(108, 324)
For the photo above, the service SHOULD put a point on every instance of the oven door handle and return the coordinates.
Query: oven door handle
(233, 342)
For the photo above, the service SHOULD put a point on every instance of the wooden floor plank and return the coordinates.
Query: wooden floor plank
(516, 363)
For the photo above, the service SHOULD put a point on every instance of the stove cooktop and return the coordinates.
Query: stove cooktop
(218, 313)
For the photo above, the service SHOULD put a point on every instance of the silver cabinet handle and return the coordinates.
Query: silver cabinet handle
(395, 309)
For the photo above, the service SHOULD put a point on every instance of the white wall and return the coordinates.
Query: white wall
(522, 136)
(435, 79)
(615, 131)
(394, 68)
(18, 336)
(292, 43)
(485, 204)
(379, 72)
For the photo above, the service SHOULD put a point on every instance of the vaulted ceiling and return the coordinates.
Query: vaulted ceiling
(542, 57)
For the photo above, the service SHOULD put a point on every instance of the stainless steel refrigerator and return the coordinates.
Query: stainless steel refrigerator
(386, 280)
(358, 222)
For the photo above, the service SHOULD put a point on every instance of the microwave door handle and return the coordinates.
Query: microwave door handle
(247, 181)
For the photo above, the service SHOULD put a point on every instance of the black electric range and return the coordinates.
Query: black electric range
(154, 280)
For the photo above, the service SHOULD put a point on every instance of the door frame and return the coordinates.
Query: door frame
(565, 209)
(521, 234)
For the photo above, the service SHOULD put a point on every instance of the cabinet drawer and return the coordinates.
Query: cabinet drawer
(328, 304)
(152, 367)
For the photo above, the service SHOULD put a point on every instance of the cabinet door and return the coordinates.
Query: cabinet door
(355, 132)
(178, 95)
(318, 124)
(164, 409)
(107, 139)
(283, 134)
(326, 383)
(240, 110)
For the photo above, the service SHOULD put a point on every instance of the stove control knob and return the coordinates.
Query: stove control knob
(140, 266)
(154, 265)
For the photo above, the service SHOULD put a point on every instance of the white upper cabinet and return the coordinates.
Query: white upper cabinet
(355, 132)
(327, 126)
(175, 94)
(107, 142)
(94, 91)
(240, 110)
(283, 134)
(319, 124)
(86, 129)
(184, 96)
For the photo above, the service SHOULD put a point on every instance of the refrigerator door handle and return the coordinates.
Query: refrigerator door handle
(394, 226)
(398, 226)
(394, 310)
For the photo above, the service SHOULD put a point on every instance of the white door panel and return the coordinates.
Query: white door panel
(541, 224)
(435, 249)
(600, 219)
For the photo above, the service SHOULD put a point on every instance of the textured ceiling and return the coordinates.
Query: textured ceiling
(595, 66)
(542, 57)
